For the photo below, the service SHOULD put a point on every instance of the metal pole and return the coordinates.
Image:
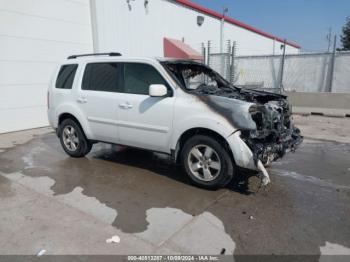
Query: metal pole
(281, 88)
(94, 27)
(232, 69)
(331, 74)
(203, 53)
(227, 60)
(329, 39)
(222, 34)
(222, 40)
(209, 50)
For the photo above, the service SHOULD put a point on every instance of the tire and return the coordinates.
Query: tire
(217, 160)
(73, 139)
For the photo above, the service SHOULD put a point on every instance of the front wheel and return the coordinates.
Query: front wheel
(73, 139)
(207, 162)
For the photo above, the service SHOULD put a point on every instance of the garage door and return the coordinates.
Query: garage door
(34, 36)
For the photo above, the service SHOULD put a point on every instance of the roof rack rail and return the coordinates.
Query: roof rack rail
(95, 54)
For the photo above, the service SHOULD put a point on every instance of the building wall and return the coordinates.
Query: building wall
(34, 36)
(135, 30)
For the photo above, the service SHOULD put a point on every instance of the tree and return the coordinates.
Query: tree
(345, 38)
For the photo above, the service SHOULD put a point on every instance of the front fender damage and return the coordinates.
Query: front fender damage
(266, 130)
(261, 121)
(244, 157)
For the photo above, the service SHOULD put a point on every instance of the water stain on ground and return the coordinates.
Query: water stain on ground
(5, 188)
(291, 217)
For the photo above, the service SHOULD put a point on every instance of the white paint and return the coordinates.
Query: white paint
(41, 253)
(139, 32)
(148, 122)
(34, 36)
(334, 249)
(113, 239)
(265, 176)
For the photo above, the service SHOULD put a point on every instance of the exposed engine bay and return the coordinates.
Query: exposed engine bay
(266, 127)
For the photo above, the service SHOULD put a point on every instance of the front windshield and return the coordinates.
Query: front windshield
(193, 76)
(195, 80)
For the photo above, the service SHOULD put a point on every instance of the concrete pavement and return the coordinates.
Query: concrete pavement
(71, 206)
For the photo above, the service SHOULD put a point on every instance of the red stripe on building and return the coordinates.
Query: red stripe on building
(230, 20)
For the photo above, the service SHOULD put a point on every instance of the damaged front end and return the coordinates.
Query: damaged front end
(263, 119)
(275, 133)
(266, 128)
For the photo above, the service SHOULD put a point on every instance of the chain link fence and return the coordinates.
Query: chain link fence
(318, 72)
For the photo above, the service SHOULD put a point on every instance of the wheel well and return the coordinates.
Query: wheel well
(200, 131)
(65, 116)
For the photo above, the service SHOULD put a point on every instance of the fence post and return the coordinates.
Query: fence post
(209, 50)
(227, 60)
(281, 88)
(204, 53)
(232, 67)
(331, 71)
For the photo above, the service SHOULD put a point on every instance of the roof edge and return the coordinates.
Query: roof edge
(233, 21)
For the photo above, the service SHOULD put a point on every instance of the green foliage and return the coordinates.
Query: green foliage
(345, 38)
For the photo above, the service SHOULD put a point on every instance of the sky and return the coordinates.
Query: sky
(305, 22)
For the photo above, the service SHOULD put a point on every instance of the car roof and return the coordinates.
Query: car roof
(121, 58)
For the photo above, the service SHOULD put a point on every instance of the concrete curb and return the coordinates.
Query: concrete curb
(329, 112)
(325, 104)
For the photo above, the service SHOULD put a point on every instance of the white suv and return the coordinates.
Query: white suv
(178, 107)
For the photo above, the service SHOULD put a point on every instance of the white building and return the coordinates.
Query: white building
(36, 34)
(137, 27)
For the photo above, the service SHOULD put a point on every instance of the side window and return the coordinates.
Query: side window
(101, 77)
(138, 78)
(65, 76)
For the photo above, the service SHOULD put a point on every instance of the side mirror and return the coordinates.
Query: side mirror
(158, 90)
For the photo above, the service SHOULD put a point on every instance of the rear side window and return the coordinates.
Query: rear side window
(138, 78)
(101, 77)
(65, 76)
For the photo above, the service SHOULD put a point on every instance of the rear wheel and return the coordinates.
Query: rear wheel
(73, 139)
(207, 162)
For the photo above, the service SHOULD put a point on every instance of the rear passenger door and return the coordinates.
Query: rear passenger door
(144, 121)
(98, 99)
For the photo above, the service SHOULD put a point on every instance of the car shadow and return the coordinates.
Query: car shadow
(162, 165)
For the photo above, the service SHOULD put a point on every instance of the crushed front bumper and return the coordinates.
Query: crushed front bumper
(255, 156)
(268, 152)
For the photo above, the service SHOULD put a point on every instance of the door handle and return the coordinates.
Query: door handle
(126, 105)
(81, 100)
